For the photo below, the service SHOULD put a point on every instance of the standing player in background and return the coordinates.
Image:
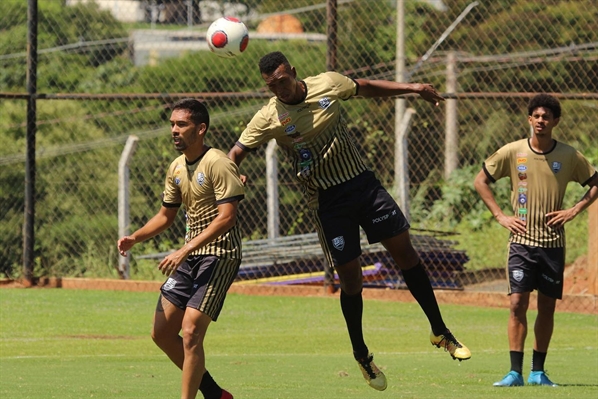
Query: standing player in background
(539, 169)
(305, 119)
(202, 270)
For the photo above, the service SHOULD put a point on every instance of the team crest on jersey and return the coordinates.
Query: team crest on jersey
(339, 243)
(169, 284)
(556, 166)
(518, 275)
(324, 102)
(201, 178)
(522, 199)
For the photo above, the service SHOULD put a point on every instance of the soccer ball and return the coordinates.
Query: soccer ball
(227, 37)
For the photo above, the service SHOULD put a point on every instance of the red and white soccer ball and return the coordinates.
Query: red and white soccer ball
(227, 37)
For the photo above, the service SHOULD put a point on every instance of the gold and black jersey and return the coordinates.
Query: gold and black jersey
(202, 185)
(313, 133)
(538, 184)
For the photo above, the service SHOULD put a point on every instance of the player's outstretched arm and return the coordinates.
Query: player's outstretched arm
(511, 223)
(160, 222)
(386, 88)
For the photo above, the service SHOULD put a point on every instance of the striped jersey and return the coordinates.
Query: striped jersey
(202, 185)
(313, 133)
(538, 184)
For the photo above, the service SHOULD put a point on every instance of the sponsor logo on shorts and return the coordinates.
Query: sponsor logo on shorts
(169, 284)
(550, 279)
(339, 243)
(518, 275)
(384, 217)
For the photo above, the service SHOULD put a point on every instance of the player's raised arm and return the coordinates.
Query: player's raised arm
(386, 88)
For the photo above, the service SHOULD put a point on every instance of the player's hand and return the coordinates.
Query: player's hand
(557, 219)
(172, 261)
(512, 223)
(243, 179)
(124, 244)
(429, 93)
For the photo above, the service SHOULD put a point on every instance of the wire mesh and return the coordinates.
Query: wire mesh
(109, 69)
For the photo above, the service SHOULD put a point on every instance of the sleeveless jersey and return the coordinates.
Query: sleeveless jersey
(538, 184)
(313, 133)
(211, 180)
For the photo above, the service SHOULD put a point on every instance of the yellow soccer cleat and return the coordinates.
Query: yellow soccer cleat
(450, 344)
(372, 374)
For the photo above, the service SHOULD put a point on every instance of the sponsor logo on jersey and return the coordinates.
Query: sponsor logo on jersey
(522, 183)
(522, 199)
(303, 108)
(556, 166)
(517, 275)
(522, 154)
(522, 189)
(522, 211)
(324, 102)
(521, 160)
(283, 116)
(201, 178)
(339, 243)
(522, 168)
(285, 121)
(522, 176)
(290, 129)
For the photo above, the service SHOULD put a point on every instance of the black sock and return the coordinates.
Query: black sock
(419, 285)
(516, 361)
(209, 388)
(352, 307)
(538, 359)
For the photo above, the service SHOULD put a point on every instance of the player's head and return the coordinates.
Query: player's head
(198, 113)
(271, 61)
(281, 78)
(545, 101)
(189, 123)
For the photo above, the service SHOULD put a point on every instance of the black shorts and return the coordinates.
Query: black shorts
(342, 209)
(201, 282)
(538, 268)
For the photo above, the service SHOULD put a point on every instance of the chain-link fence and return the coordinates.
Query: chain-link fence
(108, 70)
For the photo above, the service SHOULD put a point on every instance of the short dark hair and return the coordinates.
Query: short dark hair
(199, 112)
(271, 61)
(545, 101)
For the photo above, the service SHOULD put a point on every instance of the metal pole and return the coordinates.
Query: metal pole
(400, 103)
(272, 190)
(331, 48)
(29, 222)
(331, 30)
(123, 202)
(402, 168)
(451, 141)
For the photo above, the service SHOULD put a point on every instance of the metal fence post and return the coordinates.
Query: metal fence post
(272, 189)
(123, 201)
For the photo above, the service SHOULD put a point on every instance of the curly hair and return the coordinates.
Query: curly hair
(199, 112)
(545, 101)
(271, 61)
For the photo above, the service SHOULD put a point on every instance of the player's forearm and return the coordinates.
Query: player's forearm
(219, 226)
(587, 200)
(385, 88)
(483, 188)
(152, 228)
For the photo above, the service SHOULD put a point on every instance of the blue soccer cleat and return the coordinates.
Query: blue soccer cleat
(540, 378)
(513, 379)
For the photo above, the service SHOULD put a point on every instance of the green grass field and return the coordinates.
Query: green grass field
(95, 344)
